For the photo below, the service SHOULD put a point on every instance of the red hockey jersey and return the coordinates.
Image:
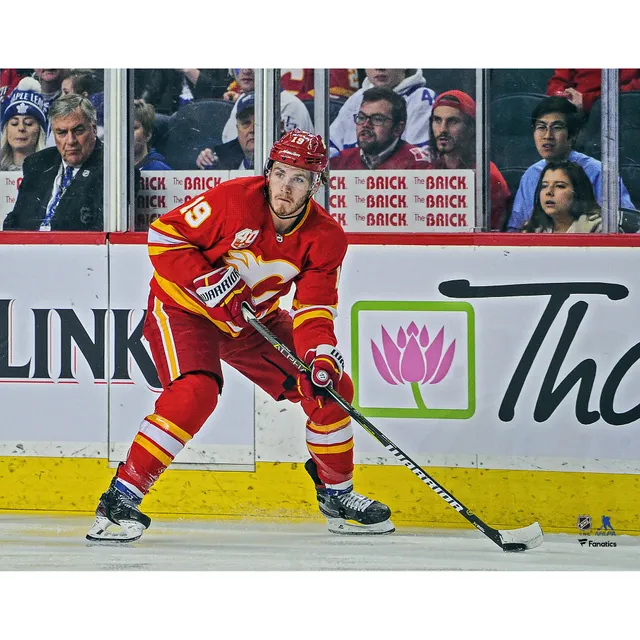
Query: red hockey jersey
(231, 224)
(406, 156)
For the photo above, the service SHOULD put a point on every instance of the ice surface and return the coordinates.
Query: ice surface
(36, 542)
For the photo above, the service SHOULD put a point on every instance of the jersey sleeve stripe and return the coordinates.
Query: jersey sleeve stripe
(157, 251)
(155, 238)
(165, 229)
(301, 308)
(309, 315)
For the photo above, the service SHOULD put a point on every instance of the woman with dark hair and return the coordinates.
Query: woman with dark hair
(564, 201)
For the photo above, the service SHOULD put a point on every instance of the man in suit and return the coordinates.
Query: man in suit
(62, 187)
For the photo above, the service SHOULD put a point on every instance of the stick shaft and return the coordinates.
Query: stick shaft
(415, 468)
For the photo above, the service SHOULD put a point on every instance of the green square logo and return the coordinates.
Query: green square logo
(413, 359)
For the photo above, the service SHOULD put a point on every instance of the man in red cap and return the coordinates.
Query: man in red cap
(248, 240)
(452, 143)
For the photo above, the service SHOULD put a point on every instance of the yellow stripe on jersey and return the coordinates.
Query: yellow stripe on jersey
(170, 427)
(336, 448)
(309, 315)
(299, 306)
(327, 428)
(167, 339)
(177, 294)
(153, 450)
(156, 251)
(170, 230)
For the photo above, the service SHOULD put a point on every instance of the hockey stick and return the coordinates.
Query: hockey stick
(507, 539)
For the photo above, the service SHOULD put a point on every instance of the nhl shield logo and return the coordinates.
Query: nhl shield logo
(584, 523)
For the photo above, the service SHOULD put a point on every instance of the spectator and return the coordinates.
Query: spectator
(564, 202)
(410, 84)
(239, 152)
(343, 83)
(9, 79)
(84, 82)
(380, 123)
(293, 113)
(243, 82)
(452, 142)
(51, 83)
(145, 159)
(169, 89)
(582, 87)
(24, 124)
(556, 123)
(90, 84)
(62, 188)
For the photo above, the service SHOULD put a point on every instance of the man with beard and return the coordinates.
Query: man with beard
(452, 145)
(247, 241)
(380, 123)
(407, 83)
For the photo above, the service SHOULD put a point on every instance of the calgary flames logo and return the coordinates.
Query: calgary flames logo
(265, 277)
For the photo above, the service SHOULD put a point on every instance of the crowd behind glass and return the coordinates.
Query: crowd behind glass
(544, 136)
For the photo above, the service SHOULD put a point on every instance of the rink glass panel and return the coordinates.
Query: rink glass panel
(509, 139)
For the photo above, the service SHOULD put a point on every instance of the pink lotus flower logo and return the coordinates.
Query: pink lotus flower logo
(413, 358)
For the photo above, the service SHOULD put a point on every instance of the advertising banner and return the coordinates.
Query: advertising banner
(9, 184)
(76, 375)
(53, 345)
(402, 201)
(361, 201)
(161, 191)
(523, 357)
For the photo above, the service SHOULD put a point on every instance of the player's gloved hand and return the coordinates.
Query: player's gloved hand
(327, 365)
(223, 290)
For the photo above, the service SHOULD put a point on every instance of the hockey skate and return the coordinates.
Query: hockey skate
(350, 513)
(116, 508)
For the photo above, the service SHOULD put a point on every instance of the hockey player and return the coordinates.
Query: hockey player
(246, 240)
(408, 83)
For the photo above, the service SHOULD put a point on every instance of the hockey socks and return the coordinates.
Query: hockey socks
(181, 410)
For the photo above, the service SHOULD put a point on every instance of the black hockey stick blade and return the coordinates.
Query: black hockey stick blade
(520, 539)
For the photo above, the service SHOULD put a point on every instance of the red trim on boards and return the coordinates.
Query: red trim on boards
(409, 239)
(52, 237)
(128, 237)
(498, 239)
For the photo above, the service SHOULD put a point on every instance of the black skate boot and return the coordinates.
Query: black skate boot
(117, 508)
(349, 512)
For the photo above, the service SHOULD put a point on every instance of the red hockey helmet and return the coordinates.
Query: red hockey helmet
(301, 149)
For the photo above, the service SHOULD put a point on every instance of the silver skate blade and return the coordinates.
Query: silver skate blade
(521, 539)
(128, 531)
(353, 528)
